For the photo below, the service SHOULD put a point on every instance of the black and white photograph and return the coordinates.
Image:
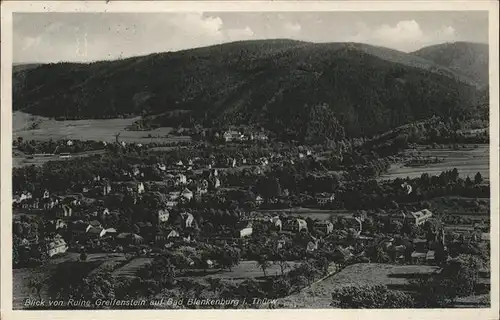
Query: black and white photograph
(240, 159)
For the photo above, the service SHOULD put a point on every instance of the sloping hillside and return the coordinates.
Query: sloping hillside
(470, 59)
(17, 67)
(297, 89)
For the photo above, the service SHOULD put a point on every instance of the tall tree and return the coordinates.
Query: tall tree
(263, 263)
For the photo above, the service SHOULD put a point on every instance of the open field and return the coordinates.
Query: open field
(319, 294)
(244, 270)
(94, 129)
(321, 214)
(19, 159)
(130, 269)
(468, 162)
(228, 169)
(479, 301)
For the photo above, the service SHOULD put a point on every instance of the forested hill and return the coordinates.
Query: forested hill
(470, 59)
(294, 88)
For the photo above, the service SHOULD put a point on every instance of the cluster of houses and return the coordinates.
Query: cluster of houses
(237, 136)
(173, 177)
(80, 232)
(184, 187)
(417, 218)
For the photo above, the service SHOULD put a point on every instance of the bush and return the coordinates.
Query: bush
(377, 296)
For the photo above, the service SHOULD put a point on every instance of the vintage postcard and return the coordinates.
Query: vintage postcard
(292, 159)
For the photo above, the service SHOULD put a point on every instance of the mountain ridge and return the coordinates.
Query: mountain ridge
(279, 84)
(470, 58)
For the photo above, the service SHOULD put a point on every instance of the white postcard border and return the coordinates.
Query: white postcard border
(8, 7)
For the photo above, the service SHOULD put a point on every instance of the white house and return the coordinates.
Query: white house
(312, 246)
(57, 245)
(204, 184)
(276, 222)
(171, 204)
(96, 232)
(93, 224)
(49, 203)
(295, 225)
(325, 198)
(111, 232)
(181, 179)
(280, 244)
(216, 183)
(162, 236)
(187, 194)
(106, 189)
(302, 224)
(60, 224)
(105, 212)
(420, 217)
(407, 188)
(232, 135)
(25, 196)
(188, 219)
(140, 188)
(259, 200)
(136, 171)
(173, 234)
(245, 232)
(260, 136)
(64, 212)
(163, 215)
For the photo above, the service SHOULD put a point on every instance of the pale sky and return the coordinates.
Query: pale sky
(53, 37)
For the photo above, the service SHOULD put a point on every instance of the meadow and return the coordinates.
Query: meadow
(244, 270)
(20, 159)
(468, 162)
(31, 127)
(318, 295)
(131, 268)
(313, 213)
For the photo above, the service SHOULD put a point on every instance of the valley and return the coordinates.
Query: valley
(314, 175)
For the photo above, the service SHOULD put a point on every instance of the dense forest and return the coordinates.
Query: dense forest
(470, 58)
(297, 89)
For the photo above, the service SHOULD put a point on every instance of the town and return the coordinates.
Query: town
(243, 159)
(196, 218)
